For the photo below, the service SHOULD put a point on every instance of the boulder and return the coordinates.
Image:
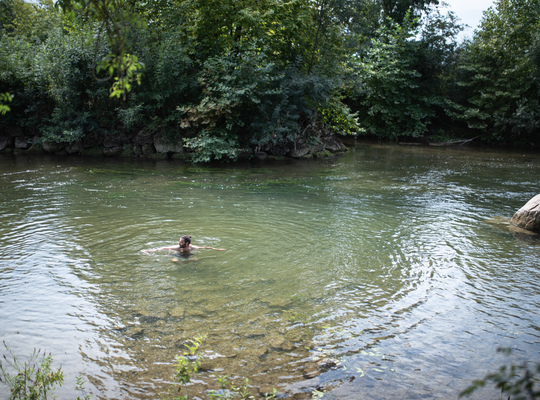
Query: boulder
(75, 147)
(300, 151)
(260, 155)
(22, 143)
(35, 148)
(92, 139)
(52, 147)
(334, 145)
(165, 146)
(6, 142)
(114, 141)
(113, 151)
(528, 216)
(148, 149)
(143, 138)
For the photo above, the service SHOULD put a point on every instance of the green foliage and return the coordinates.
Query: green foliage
(208, 147)
(118, 20)
(228, 77)
(390, 94)
(5, 98)
(518, 382)
(248, 101)
(173, 75)
(398, 10)
(81, 105)
(18, 76)
(33, 379)
(501, 73)
(29, 20)
(130, 68)
(187, 366)
(405, 80)
(338, 117)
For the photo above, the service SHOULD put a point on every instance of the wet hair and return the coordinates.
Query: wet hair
(187, 239)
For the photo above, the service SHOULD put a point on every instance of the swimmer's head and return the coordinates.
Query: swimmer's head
(185, 241)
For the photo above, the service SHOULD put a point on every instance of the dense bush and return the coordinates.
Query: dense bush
(501, 71)
(225, 78)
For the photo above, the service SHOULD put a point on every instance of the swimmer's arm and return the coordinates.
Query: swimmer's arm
(206, 247)
(162, 248)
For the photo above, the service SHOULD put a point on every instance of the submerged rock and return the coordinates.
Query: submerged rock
(528, 216)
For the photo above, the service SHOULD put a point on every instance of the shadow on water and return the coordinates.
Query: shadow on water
(383, 274)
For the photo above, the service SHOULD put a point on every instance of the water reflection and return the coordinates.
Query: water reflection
(378, 269)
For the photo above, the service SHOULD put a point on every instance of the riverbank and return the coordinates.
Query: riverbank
(323, 143)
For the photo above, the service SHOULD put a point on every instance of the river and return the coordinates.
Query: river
(388, 273)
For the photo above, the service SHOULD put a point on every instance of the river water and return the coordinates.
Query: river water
(388, 273)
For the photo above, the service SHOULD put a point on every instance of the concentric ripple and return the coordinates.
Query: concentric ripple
(375, 275)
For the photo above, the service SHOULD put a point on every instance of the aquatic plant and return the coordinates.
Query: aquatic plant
(31, 379)
(516, 382)
(34, 379)
(188, 365)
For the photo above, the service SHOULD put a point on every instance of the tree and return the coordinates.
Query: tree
(118, 21)
(501, 72)
(397, 10)
(390, 100)
(5, 98)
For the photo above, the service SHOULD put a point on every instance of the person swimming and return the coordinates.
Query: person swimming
(184, 246)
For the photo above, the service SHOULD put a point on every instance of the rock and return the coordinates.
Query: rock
(524, 234)
(22, 143)
(300, 151)
(265, 390)
(206, 365)
(166, 146)
(127, 151)
(92, 139)
(51, 147)
(148, 149)
(327, 364)
(528, 216)
(279, 151)
(137, 334)
(112, 151)
(334, 145)
(75, 148)
(5, 142)
(316, 148)
(279, 303)
(143, 138)
(322, 154)
(93, 152)
(261, 155)
(311, 373)
(35, 148)
(260, 352)
(113, 141)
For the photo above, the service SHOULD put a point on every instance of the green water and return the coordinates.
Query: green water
(392, 265)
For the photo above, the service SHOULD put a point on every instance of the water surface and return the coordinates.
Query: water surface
(387, 273)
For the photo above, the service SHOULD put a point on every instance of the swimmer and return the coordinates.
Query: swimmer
(184, 246)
